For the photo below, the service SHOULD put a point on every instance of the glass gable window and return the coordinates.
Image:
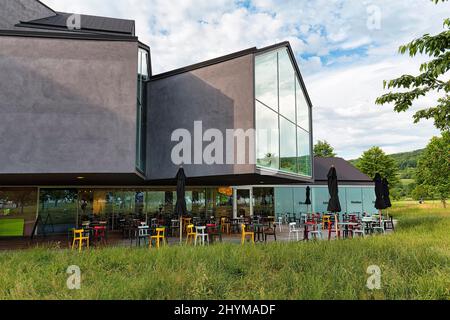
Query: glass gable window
(143, 75)
(281, 108)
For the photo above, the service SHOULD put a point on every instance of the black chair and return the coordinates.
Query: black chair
(270, 230)
(389, 224)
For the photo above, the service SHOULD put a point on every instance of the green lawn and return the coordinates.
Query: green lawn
(11, 227)
(415, 264)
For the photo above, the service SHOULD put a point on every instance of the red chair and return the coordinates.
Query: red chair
(99, 234)
(334, 227)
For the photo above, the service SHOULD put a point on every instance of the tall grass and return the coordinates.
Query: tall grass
(415, 264)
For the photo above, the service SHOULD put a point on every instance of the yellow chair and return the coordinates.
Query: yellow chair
(79, 236)
(225, 225)
(190, 234)
(326, 219)
(159, 237)
(245, 234)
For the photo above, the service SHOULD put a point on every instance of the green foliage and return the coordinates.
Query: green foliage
(433, 171)
(323, 150)
(433, 77)
(421, 192)
(375, 160)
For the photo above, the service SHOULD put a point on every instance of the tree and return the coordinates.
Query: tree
(324, 150)
(433, 169)
(375, 160)
(433, 77)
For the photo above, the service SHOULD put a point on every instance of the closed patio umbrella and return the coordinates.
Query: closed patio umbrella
(333, 204)
(379, 194)
(387, 200)
(180, 206)
(308, 198)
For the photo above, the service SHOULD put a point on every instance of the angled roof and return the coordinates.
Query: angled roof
(235, 55)
(346, 172)
(88, 23)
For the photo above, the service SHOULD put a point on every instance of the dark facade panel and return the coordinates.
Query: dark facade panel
(87, 22)
(67, 106)
(219, 95)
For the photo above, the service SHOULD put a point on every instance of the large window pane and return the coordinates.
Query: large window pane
(288, 149)
(266, 78)
(287, 85)
(302, 108)
(17, 211)
(263, 201)
(57, 210)
(284, 203)
(304, 153)
(266, 137)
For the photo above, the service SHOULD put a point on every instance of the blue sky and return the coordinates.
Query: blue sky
(345, 49)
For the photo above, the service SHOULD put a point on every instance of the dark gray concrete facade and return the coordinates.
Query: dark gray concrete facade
(15, 11)
(67, 106)
(220, 95)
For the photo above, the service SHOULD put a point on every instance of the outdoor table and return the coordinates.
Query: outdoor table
(346, 226)
(367, 224)
(258, 229)
(234, 225)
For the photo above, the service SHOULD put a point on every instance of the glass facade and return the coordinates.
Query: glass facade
(282, 116)
(63, 209)
(142, 76)
(353, 199)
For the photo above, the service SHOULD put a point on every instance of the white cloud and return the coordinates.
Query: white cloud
(342, 60)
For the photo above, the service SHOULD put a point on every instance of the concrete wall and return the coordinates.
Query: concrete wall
(221, 95)
(67, 106)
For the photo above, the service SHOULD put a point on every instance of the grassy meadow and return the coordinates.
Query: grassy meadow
(414, 263)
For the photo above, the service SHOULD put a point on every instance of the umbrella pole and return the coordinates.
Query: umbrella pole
(181, 229)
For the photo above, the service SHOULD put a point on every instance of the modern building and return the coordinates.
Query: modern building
(87, 128)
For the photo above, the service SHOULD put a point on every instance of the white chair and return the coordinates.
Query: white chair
(317, 232)
(143, 233)
(280, 223)
(378, 224)
(200, 232)
(293, 229)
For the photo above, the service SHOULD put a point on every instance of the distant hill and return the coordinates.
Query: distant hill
(404, 160)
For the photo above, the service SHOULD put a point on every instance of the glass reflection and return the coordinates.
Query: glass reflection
(302, 108)
(17, 211)
(287, 86)
(266, 77)
(267, 137)
(304, 152)
(288, 148)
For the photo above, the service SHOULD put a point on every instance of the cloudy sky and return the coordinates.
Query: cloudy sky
(345, 49)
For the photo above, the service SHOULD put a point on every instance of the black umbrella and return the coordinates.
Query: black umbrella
(387, 200)
(379, 201)
(308, 195)
(180, 206)
(333, 204)
(308, 198)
